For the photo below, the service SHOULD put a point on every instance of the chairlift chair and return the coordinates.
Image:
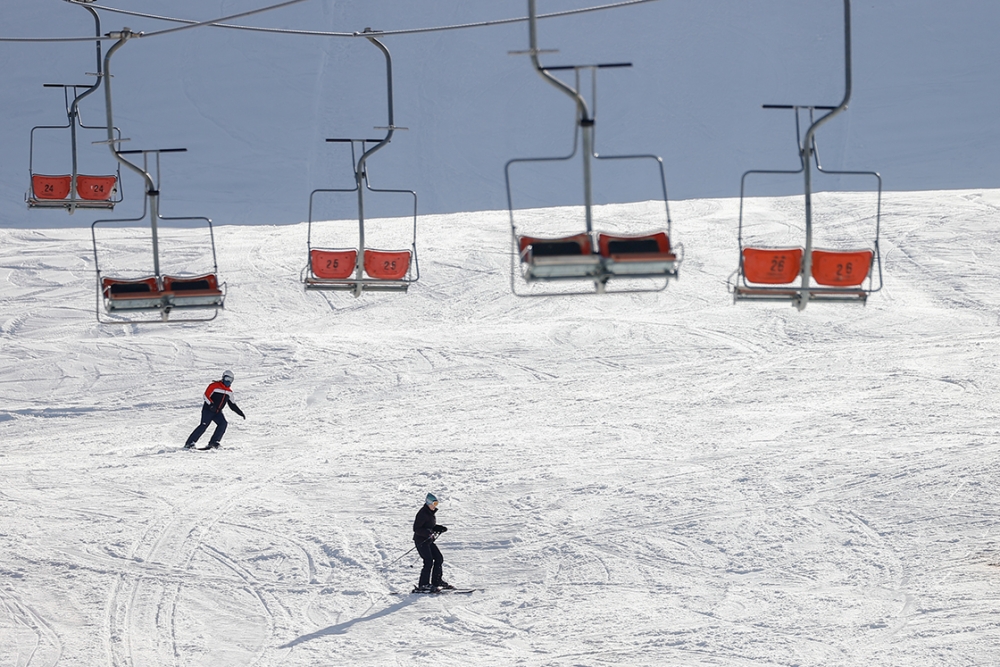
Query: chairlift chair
(591, 256)
(362, 268)
(74, 190)
(132, 299)
(830, 275)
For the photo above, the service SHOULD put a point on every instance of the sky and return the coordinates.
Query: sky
(254, 109)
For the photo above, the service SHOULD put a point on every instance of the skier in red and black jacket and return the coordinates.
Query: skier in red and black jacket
(217, 396)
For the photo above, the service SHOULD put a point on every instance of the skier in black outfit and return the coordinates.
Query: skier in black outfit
(217, 396)
(425, 531)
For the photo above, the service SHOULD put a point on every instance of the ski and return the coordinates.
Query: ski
(446, 591)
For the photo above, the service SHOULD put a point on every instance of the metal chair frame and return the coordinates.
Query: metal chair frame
(808, 150)
(359, 284)
(151, 206)
(74, 120)
(593, 268)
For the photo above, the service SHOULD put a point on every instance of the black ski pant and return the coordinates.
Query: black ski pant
(433, 560)
(209, 415)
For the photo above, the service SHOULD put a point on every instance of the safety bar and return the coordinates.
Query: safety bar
(152, 150)
(797, 106)
(601, 66)
(346, 141)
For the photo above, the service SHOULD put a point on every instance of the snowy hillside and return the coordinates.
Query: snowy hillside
(664, 479)
(254, 109)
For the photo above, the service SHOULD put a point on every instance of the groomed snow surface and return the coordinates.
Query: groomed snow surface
(655, 479)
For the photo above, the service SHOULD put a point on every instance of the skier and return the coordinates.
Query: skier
(425, 531)
(217, 396)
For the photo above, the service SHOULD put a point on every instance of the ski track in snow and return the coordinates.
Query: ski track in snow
(632, 479)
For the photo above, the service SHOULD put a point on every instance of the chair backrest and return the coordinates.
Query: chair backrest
(95, 188)
(112, 287)
(333, 264)
(771, 266)
(836, 268)
(387, 264)
(204, 283)
(51, 187)
(578, 244)
(609, 244)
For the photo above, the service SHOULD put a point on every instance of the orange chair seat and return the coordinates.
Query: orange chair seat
(333, 264)
(836, 268)
(51, 187)
(772, 266)
(387, 264)
(95, 188)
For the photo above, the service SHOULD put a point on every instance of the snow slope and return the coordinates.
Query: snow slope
(645, 480)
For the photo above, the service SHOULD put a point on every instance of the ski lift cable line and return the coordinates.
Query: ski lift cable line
(156, 33)
(372, 33)
(403, 31)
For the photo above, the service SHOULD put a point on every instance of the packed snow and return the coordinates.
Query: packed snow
(650, 479)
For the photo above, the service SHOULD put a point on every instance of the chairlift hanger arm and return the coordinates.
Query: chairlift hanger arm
(390, 128)
(581, 103)
(847, 79)
(123, 36)
(807, 145)
(99, 74)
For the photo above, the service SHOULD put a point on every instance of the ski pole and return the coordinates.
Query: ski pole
(397, 560)
(429, 539)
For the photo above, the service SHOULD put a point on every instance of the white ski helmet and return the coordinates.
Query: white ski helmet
(228, 377)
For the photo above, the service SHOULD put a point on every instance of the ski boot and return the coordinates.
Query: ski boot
(426, 589)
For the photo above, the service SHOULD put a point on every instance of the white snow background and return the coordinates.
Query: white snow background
(656, 479)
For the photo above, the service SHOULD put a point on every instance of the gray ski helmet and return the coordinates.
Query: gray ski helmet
(228, 377)
(431, 498)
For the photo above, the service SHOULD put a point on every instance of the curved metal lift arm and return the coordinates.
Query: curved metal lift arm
(584, 120)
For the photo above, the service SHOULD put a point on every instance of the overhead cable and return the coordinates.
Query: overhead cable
(319, 33)
(189, 25)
